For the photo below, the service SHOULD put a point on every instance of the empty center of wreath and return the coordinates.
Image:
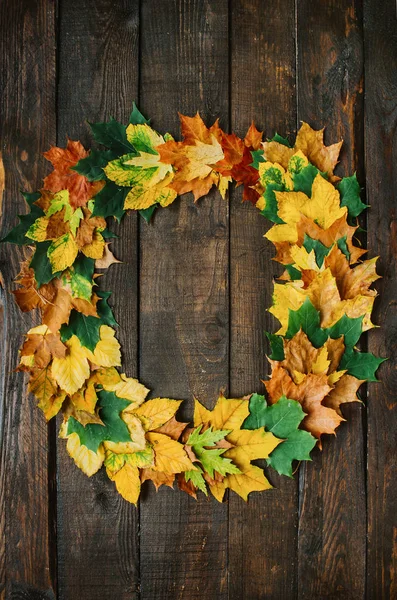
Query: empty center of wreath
(323, 301)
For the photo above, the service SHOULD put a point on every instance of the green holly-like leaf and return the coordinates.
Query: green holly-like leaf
(41, 265)
(362, 365)
(136, 117)
(112, 134)
(104, 311)
(197, 479)
(109, 202)
(349, 190)
(320, 250)
(92, 166)
(147, 213)
(276, 345)
(86, 329)
(280, 140)
(257, 158)
(342, 245)
(211, 458)
(282, 419)
(113, 428)
(18, 233)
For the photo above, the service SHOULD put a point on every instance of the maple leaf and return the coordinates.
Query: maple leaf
(229, 414)
(195, 159)
(43, 345)
(142, 170)
(282, 419)
(64, 178)
(311, 143)
(242, 172)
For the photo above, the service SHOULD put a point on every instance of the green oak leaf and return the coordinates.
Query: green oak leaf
(349, 190)
(109, 202)
(282, 419)
(362, 365)
(92, 166)
(320, 250)
(113, 428)
(18, 233)
(112, 134)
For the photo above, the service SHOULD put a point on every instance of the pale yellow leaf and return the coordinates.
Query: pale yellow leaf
(88, 461)
(72, 371)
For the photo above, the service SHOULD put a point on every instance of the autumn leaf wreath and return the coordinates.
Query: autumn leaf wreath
(323, 301)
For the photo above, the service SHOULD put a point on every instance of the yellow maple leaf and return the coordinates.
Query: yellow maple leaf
(156, 412)
(229, 413)
(250, 445)
(107, 351)
(143, 196)
(169, 455)
(72, 371)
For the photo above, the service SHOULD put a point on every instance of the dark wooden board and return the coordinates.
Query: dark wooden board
(27, 126)
(98, 552)
(381, 170)
(184, 293)
(332, 528)
(262, 533)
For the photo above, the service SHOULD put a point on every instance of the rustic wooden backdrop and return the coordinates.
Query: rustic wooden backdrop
(191, 297)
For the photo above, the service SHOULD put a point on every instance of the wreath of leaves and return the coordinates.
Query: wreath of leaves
(323, 301)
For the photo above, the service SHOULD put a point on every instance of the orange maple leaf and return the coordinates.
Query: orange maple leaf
(63, 178)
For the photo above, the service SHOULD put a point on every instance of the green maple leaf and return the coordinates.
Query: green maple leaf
(136, 117)
(271, 208)
(18, 233)
(303, 179)
(211, 458)
(104, 311)
(92, 166)
(276, 346)
(350, 328)
(197, 479)
(282, 419)
(342, 245)
(306, 318)
(257, 157)
(86, 329)
(293, 272)
(113, 428)
(41, 265)
(280, 140)
(362, 365)
(349, 190)
(320, 250)
(109, 202)
(112, 134)
(147, 213)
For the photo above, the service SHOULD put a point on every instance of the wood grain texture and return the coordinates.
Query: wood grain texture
(27, 126)
(98, 77)
(380, 159)
(263, 533)
(332, 536)
(184, 293)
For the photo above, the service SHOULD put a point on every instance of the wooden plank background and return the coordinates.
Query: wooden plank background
(191, 297)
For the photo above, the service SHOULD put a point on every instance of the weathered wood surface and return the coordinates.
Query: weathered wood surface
(191, 297)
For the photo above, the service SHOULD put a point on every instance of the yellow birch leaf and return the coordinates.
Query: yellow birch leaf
(129, 389)
(107, 351)
(88, 461)
(96, 248)
(218, 489)
(169, 455)
(52, 406)
(201, 414)
(128, 483)
(38, 230)
(72, 371)
(62, 252)
(156, 412)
